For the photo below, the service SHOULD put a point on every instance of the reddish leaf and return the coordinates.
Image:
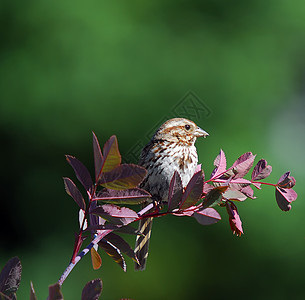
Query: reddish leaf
(214, 196)
(234, 194)
(207, 216)
(111, 153)
(175, 192)
(243, 164)
(236, 183)
(192, 192)
(81, 172)
(234, 219)
(125, 176)
(121, 244)
(261, 170)
(55, 292)
(185, 213)
(129, 196)
(286, 181)
(32, 292)
(113, 252)
(92, 290)
(74, 192)
(248, 191)
(284, 197)
(207, 187)
(95, 259)
(115, 214)
(10, 277)
(220, 164)
(98, 157)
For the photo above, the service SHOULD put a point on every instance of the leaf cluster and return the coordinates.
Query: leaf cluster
(105, 213)
(116, 185)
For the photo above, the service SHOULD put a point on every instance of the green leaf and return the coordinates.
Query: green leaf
(111, 155)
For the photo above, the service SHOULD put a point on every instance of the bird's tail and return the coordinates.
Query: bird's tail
(142, 243)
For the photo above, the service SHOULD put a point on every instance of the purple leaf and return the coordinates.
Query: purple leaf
(125, 176)
(175, 192)
(10, 277)
(113, 252)
(286, 181)
(129, 196)
(214, 196)
(237, 183)
(234, 194)
(284, 197)
(248, 191)
(115, 214)
(185, 213)
(220, 164)
(98, 157)
(207, 216)
(95, 220)
(207, 187)
(92, 290)
(111, 153)
(74, 192)
(234, 219)
(243, 164)
(55, 292)
(261, 170)
(121, 244)
(81, 172)
(32, 292)
(192, 192)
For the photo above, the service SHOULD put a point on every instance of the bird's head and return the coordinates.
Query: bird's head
(179, 130)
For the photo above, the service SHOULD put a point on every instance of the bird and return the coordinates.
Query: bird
(172, 148)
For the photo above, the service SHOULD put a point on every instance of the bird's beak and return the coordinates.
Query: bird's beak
(200, 132)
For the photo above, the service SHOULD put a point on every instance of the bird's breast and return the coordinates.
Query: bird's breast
(162, 161)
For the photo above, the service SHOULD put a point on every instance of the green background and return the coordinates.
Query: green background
(121, 67)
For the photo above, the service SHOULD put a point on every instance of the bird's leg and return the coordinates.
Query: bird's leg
(157, 204)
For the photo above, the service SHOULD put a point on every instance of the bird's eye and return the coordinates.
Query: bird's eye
(187, 127)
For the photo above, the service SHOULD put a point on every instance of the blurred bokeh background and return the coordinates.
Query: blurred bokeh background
(121, 67)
